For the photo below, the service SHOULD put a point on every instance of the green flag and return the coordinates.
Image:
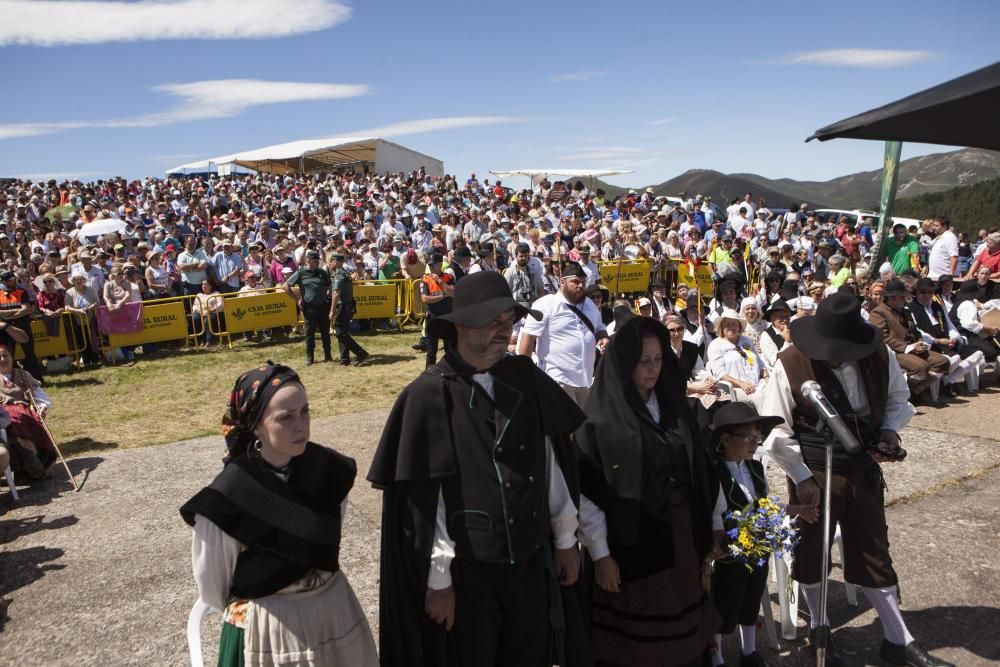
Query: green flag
(890, 173)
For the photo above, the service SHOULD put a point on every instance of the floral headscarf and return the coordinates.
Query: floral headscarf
(250, 395)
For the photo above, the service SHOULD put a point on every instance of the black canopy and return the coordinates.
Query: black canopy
(960, 112)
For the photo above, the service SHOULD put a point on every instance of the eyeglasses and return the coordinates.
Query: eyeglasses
(748, 438)
(48, 281)
(675, 330)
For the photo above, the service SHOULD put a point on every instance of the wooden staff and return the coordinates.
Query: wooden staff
(34, 408)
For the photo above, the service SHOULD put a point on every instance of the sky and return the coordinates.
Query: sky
(95, 89)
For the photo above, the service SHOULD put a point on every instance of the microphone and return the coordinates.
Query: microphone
(814, 394)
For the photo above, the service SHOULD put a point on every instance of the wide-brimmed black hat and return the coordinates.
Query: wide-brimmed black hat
(736, 414)
(463, 253)
(894, 287)
(837, 332)
(479, 299)
(777, 305)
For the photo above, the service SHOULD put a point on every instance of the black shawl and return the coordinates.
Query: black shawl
(612, 459)
(289, 527)
(415, 453)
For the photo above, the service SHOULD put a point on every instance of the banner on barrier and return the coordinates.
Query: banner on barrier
(46, 345)
(160, 322)
(702, 277)
(259, 311)
(374, 300)
(627, 277)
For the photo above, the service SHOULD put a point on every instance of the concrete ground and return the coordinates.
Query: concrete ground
(103, 576)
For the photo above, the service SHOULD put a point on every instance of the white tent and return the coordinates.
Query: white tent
(538, 175)
(311, 155)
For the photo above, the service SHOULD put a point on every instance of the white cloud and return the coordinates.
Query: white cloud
(58, 22)
(663, 121)
(575, 77)
(408, 127)
(856, 57)
(201, 100)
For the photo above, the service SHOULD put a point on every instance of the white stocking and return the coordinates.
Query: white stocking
(748, 639)
(887, 606)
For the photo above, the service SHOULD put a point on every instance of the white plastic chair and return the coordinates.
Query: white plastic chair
(8, 473)
(198, 612)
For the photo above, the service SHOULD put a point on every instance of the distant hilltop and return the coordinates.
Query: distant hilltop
(918, 175)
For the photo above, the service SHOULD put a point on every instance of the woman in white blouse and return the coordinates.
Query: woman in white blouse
(733, 359)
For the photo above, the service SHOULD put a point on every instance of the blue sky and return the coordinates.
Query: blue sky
(97, 89)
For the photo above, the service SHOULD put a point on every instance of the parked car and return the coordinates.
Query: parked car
(854, 216)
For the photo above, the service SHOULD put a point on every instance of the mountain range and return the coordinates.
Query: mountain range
(918, 175)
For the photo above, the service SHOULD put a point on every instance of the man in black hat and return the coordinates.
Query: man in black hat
(901, 335)
(461, 262)
(316, 301)
(343, 310)
(478, 475)
(865, 383)
(777, 336)
(938, 331)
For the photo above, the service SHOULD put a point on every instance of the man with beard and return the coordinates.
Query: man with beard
(567, 335)
(479, 512)
(866, 385)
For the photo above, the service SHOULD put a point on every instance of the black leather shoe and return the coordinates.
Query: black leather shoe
(913, 654)
(833, 657)
(755, 659)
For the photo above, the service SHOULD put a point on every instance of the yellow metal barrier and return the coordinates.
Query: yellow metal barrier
(627, 276)
(257, 309)
(63, 343)
(163, 320)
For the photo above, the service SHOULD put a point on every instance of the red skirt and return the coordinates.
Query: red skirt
(24, 423)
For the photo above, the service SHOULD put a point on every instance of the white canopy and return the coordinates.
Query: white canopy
(309, 155)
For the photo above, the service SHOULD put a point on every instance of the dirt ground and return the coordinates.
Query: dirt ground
(103, 576)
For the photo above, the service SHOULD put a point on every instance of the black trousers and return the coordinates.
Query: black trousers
(736, 593)
(501, 613)
(342, 330)
(430, 341)
(317, 318)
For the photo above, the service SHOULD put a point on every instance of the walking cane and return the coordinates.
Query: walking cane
(34, 407)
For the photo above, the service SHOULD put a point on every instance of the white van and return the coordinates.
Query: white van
(855, 216)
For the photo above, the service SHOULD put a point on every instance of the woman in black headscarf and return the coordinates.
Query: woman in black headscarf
(267, 534)
(643, 465)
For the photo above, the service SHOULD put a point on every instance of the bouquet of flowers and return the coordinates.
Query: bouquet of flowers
(760, 530)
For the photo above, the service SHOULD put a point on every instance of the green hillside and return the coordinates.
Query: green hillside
(970, 207)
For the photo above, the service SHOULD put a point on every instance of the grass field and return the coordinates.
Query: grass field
(177, 395)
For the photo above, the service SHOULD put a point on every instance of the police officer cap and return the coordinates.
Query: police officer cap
(312, 254)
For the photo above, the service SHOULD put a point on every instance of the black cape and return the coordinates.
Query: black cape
(612, 461)
(415, 453)
(289, 528)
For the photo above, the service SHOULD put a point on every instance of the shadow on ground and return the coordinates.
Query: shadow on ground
(44, 491)
(77, 445)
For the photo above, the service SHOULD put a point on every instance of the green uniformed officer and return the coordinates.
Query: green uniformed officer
(343, 310)
(316, 301)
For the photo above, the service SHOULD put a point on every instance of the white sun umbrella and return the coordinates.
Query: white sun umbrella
(102, 226)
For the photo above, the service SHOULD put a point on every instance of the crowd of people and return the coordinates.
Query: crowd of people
(617, 431)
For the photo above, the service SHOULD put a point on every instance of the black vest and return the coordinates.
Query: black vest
(936, 328)
(687, 359)
(730, 489)
(873, 371)
(458, 271)
(497, 505)
(775, 337)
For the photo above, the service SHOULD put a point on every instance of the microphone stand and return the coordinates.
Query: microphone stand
(823, 623)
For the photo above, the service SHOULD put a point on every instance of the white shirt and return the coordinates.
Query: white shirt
(566, 349)
(939, 261)
(768, 350)
(725, 359)
(562, 513)
(776, 400)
